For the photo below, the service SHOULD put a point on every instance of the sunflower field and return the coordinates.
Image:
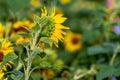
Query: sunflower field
(59, 39)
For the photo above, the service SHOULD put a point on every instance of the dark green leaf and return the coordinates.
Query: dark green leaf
(117, 72)
(95, 50)
(105, 72)
(42, 54)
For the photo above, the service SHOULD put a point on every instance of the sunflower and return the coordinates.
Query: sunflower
(54, 28)
(5, 49)
(1, 30)
(72, 42)
(19, 24)
(18, 27)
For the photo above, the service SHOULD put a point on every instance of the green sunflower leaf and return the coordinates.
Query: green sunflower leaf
(24, 44)
(36, 50)
(25, 34)
(9, 57)
(46, 40)
(105, 72)
(45, 64)
(17, 75)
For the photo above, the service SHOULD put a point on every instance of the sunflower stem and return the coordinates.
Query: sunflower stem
(114, 55)
(31, 55)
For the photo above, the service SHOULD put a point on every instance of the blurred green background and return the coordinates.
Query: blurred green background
(96, 22)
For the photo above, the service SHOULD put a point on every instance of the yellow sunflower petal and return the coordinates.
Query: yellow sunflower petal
(53, 14)
(1, 74)
(59, 26)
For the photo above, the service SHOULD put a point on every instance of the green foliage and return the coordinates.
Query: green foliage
(46, 40)
(17, 75)
(42, 54)
(107, 71)
(90, 18)
(27, 35)
(24, 44)
(45, 64)
(101, 49)
(9, 57)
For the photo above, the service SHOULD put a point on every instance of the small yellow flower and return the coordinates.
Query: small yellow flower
(35, 3)
(65, 1)
(55, 28)
(1, 30)
(72, 42)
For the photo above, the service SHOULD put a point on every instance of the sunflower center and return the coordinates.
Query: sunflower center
(1, 56)
(48, 28)
(75, 40)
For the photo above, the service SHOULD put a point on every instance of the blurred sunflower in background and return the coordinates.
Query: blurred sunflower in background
(17, 27)
(54, 30)
(72, 42)
(35, 3)
(47, 74)
(19, 24)
(5, 48)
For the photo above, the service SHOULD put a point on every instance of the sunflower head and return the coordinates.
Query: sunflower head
(53, 27)
(18, 26)
(72, 42)
(5, 48)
